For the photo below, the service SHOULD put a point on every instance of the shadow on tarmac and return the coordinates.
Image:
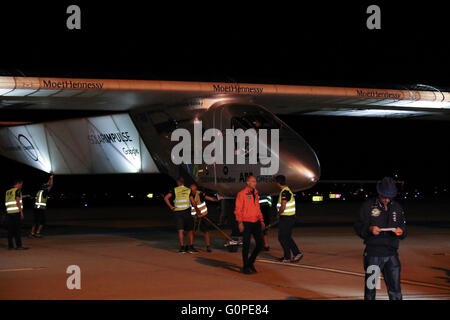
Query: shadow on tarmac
(446, 271)
(218, 264)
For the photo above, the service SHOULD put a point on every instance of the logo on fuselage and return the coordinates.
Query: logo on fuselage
(28, 147)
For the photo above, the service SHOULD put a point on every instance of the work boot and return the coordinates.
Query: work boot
(31, 235)
(298, 257)
(182, 250)
(208, 249)
(38, 235)
(266, 248)
(246, 270)
(284, 260)
(192, 249)
(22, 248)
(252, 268)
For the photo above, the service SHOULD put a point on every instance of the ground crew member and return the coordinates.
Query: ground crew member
(265, 204)
(182, 214)
(199, 198)
(286, 215)
(40, 208)
(14, 215)
(251, 222)
(375, 217)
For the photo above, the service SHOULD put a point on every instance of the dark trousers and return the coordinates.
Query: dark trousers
(285, 227)
(14, 229)
(390, 267)
(251, 228)
(39, 217)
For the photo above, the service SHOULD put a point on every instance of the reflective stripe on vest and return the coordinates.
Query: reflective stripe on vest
(41, 202)
(182, 201)
(290, 205)
(200, 205)
(10, 201)
(265, 200)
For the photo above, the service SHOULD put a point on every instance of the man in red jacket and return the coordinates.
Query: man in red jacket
(250, 221)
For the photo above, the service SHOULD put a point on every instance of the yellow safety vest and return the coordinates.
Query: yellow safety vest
(40, 201)
(182, 201)
(10, 201)
(290, 205)
(200, 205)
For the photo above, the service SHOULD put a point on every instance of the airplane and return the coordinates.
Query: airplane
(134, 134)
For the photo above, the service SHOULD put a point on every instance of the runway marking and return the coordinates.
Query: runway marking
(425, 296)
(358, 274)
(21, 269)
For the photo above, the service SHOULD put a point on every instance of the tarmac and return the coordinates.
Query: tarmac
(131, 253)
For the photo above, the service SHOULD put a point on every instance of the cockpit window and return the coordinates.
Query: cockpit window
(162, 122)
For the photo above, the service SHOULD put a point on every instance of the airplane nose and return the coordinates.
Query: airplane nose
(299, 163)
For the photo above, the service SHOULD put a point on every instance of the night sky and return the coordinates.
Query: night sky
(316, 44)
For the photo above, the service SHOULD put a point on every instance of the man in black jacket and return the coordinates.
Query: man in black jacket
(381, 225)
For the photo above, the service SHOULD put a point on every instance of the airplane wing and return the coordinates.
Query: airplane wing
(26, 93)
(121, 141)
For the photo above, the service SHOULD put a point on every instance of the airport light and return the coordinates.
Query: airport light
(335, 195)
(150, 195)
(317, 198)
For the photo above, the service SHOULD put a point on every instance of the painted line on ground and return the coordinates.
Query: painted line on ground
(21, 269)
(304, 266)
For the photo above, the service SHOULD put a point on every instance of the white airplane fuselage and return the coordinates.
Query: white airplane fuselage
(140, 142)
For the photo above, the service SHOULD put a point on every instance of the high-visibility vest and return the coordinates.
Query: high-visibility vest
(10, 201)
(290, 205)
(182, 201)
(267, 200)
(40, 201)
(200, 205)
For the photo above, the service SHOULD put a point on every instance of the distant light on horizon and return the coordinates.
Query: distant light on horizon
(317, 198)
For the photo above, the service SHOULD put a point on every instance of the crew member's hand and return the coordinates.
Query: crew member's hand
(197, 210)
(241, 227)
(172, 208)
(375, 230)
(21, 215)
(263, 225)
(219, 197)
(398, 231)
